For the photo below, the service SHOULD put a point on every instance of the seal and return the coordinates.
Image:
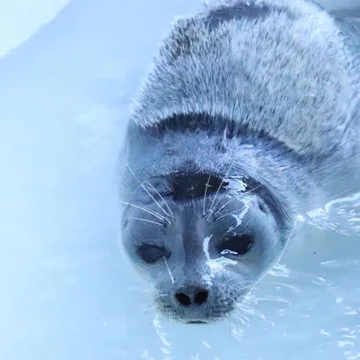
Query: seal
(246, 119)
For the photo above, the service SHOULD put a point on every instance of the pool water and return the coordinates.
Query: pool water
(67, 292)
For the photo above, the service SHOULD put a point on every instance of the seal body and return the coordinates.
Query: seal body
(247, 118)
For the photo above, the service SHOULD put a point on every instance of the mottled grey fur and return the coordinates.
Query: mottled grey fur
(261, 93)
(275, 73)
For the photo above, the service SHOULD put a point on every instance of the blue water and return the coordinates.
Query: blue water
(66, 291)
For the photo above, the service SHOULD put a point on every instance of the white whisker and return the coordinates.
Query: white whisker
(252, 190)
(219, 188)
(230, 213)
(277, 299)
(168, 269)
(162, 295)
(160, 217)
(207, 185)
(215, 197)
(162, 198)
(145, 220)
(148, 192)
(227, 203)
(237, 315)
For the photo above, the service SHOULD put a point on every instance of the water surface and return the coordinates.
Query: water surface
(66, 291)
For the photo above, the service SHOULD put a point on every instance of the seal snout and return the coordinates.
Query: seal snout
(191, 296)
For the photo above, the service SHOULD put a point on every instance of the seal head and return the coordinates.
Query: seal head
(202, 233)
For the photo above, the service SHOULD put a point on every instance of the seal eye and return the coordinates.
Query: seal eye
(152, 253)
(236, 245)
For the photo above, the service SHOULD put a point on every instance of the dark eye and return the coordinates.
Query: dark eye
(236, 245)
(152, 253)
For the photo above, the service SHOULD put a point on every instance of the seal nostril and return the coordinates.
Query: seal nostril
(201, 297)
(183, 299)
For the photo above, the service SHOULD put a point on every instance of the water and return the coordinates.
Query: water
(66, 291)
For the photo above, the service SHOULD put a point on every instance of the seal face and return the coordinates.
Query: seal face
(203, 242)
(238, 128)
(203, 233)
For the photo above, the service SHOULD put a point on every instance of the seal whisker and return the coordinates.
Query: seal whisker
(277, 299)
(145, 220)
(246, 193)
(213, 202)
(162, 198)
(226, 204)
(291, 287)
(207, 185)
(230, 213)
(160, 217)
(241, 286)
(239, 316)
(147, 191)
(169, 271)
(220, 186)
(229, 202)
(249, 310)
(162, 295)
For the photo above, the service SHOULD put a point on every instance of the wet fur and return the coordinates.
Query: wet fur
(265, 91)
(274, 62)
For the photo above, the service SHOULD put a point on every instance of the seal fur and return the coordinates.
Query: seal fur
(248, 117)
(275, 71)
